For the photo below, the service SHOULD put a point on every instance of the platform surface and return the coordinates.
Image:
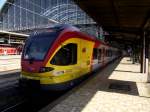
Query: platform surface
(9, 62)
(119, 87)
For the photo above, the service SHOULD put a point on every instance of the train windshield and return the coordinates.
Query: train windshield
(38, 45)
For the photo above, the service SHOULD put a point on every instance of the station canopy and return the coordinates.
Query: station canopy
(13, 35)
(126, 19)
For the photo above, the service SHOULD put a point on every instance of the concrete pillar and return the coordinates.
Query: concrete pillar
(143, 53)
(147, 57)
(134, 51)
(149, 60)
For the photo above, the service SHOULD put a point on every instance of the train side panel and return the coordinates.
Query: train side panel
(73, 71)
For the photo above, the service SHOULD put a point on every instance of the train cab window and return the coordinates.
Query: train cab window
(38, 45)
(67, 55)
(95, 53)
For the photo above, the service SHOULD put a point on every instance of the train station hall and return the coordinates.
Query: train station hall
(74, 55)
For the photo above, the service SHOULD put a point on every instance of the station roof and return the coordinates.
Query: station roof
(124, 18)
(6, 34)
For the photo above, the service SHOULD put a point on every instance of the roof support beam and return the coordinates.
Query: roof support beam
(113, 7)
(122, 30)
(144, 25)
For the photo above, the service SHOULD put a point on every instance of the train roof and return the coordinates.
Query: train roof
(61, 27)
(69, 28)
(55, 28)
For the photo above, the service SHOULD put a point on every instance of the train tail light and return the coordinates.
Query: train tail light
(45, 69)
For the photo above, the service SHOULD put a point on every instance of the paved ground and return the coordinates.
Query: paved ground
(100, 94)
(10, 62)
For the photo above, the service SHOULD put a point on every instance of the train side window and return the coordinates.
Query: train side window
(67, 55)
(99, 54)
(110, 53)
(104, 53)
(107, 53)
(95, 53)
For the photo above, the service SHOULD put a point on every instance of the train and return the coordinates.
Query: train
(8, 50)
(59, 57)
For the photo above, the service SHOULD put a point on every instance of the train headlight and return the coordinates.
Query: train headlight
(45, 69)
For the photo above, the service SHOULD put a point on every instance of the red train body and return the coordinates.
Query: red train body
(8, 50)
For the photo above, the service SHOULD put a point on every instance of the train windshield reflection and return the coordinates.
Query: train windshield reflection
(38, 45)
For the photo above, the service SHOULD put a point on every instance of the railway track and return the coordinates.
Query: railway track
(20, 100)
(9, 88)
(13, 107)
(9, 74)
(30, 101)
(9, 80)
(15, 99)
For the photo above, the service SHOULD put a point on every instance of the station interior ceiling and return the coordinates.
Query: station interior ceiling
(125, 20)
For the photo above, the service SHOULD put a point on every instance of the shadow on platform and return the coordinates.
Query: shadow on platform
(126, 71)
(129, 63)
(117, 86)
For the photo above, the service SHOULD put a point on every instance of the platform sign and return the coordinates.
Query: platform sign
(101, 34)
(101, 37)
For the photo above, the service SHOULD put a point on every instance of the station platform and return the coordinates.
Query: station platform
(119, 87)
(9, 63)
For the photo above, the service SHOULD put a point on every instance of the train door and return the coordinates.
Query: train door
(106, 56)
(100, 56)
(95, 59)
(86, 55)
(103, 56)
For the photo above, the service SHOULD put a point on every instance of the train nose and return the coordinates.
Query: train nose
(32, 68)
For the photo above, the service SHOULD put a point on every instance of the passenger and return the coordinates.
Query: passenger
(5, 52)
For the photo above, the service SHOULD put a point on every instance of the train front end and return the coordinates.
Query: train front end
(34, 58)
(55, 60)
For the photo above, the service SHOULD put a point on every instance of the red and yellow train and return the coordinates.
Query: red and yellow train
(57, 58)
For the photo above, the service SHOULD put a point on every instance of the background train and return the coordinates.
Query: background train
(61, 56)
(9, 50)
